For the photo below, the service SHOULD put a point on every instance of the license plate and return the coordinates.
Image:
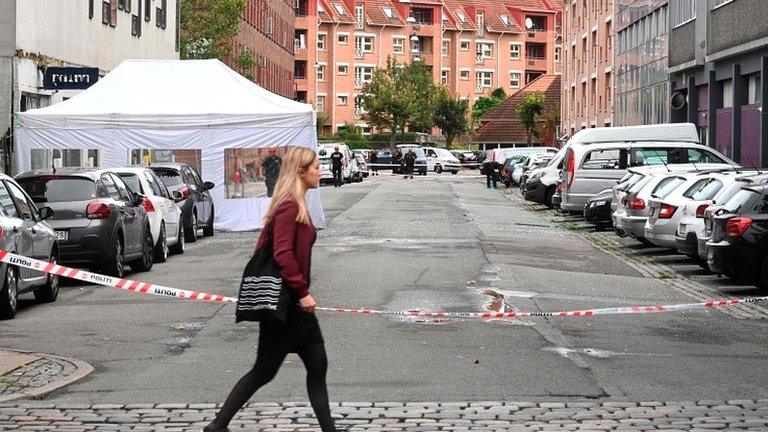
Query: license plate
(62, 235)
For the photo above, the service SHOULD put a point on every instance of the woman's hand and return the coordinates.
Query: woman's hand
(308, 304)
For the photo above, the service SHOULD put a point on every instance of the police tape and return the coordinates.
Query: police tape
(159, 290)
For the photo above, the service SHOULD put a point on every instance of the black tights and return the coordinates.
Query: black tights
(316, 363)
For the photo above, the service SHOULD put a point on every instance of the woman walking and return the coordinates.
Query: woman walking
(288, 225)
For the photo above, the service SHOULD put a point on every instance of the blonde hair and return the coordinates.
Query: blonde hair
(297, 161)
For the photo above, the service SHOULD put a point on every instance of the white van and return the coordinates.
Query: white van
(501, 154)
(597, 158)
(440, 159)
(324, 151)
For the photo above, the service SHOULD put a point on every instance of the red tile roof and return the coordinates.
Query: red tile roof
(501, 124)
(331, 12)
(374, 11)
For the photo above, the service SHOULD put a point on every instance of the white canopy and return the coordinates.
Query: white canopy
(176, 105)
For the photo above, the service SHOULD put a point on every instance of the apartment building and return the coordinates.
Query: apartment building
(718, 65)
(471, 46)
(588, 56)
(642, 47)
(96, 34)
(267, 33)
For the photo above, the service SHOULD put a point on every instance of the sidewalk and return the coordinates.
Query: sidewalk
(32, 375)
(397, 416)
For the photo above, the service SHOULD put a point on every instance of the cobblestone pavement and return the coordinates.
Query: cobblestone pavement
(397, 416)
(39, 373)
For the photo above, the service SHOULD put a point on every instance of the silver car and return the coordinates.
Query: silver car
(23, 231)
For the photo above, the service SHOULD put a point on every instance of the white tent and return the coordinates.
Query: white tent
(175, 105)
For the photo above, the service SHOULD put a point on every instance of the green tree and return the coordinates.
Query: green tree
(529, 112)
(487, 103)
(207, 30)
(321, 122)
(450, 115)
(400, 97)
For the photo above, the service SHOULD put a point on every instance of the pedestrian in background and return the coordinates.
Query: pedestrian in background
(492, 171)
(373, 160)
(397, 161)
(287, 224)
(409, 161)
(270, 170)
(337, 163)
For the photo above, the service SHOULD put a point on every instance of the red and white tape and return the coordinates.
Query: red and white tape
(147, 288)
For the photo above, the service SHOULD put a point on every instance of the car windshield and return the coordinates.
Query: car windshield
(132, 181)
(169, 176)
(51, 189)
(704, 189)
(666, 186)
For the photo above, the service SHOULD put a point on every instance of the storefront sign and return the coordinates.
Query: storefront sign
(68, 78)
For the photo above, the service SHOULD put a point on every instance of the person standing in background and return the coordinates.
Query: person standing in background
(373, 160)
(270, 170)
(337, 163)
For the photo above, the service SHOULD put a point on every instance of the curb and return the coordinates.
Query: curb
(82, 369)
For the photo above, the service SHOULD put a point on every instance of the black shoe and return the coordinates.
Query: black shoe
(213, 428)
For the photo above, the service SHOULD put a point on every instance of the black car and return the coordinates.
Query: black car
(196, 205)
(597, 210)
(99, 221)
(739, 244)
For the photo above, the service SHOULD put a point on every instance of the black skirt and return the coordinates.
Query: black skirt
(299, 330)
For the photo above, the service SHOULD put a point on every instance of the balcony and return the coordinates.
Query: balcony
(536, 63)
(302, 85)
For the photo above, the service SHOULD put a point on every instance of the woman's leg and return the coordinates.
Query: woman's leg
(262, 372)
(316, 363)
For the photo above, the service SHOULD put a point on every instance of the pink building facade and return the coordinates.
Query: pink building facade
(471, 46)
(587, 92)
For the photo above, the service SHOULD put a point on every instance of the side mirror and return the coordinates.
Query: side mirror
(45, 213)
(138, 199)
(208, 185)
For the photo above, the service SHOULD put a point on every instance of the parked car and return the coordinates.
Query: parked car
(99, 221)
(597, 210)
(720, 188)
(664, 208)
(440, 159)
(362, 164)
(324, 151)
(384, 157)
(527, 164)
(466, 158)
(542, 182)
(739, 244)
(508, 167)
(197, 209)
(160, 204)
(420, 166)
(501, 154)
(598, 157)
(25, 232)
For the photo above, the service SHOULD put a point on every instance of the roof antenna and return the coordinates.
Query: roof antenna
(53, 167)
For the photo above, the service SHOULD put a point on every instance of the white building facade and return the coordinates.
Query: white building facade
(38, 34)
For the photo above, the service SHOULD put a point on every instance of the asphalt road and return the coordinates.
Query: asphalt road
(431, 243)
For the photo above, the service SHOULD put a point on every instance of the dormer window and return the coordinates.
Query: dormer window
(462, 17)
(320, 8)
(340, 9)
(388, 12)
(505, 19)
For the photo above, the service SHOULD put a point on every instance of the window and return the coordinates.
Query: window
(649, 156)
(514, 51)
(363, 44)
(444, 74)
(445, 48)
(505, 19)
(110, 187)
(147, 10)
(320, 103)
(484, 50)
(321, 38)
(461, 16)
(340, 9)
(6, 202)
(157, 185)
(666, 186)
(704, 189)
(123, 189)
(321, 72)
(109, 12)
(363, 75)
(754, 93)
(359, 15)
(343, 39)
(480, 22)
(342, 99)
(514, 79)
(343, 69)
(465, 44)
(602, 159)
(90, 9)
(703, 156)
(25, 206)
(359, 99)
(464, 74)
(388, 12)
(133, 182)
(682, 11)
(727, 94)
(718, 3)
(484, 79)
(160, 15)
(398, 44)
(558, 53)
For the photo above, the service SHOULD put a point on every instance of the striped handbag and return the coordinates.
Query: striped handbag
(262, 295)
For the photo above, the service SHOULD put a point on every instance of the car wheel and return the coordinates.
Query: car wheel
(161, 248)
(208, 230)
(178, 248)
(147, 256)
(50, 291)
(548, 197)
(9, 295)
(116, 267)
(644, 241)
(454, 172)
(191, 231)
(438, 169)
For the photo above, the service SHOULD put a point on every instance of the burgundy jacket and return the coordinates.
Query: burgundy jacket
(291, 247)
